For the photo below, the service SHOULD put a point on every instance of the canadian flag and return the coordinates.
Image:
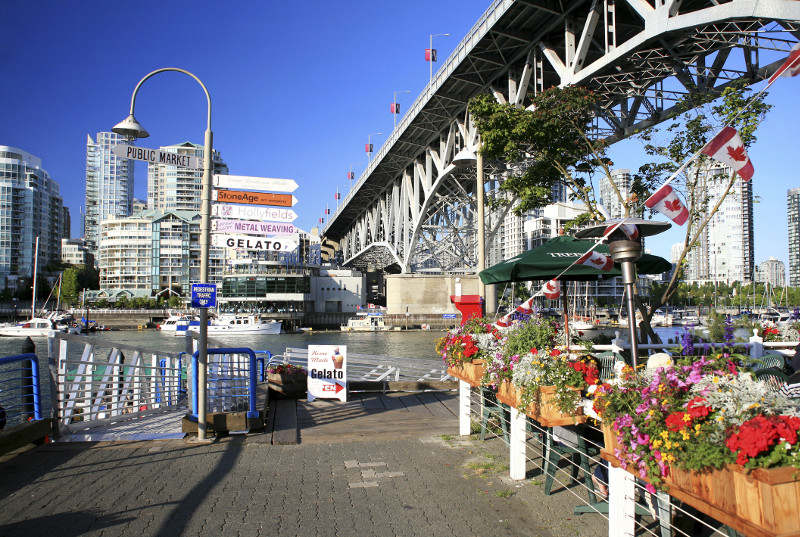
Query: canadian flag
(596, 260)
(666, 201)
(630, 230)
(791, 67)
(552, 289)
(504, 321)
(526, 308)
(727, 148)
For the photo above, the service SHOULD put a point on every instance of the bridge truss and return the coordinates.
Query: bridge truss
(414, 208)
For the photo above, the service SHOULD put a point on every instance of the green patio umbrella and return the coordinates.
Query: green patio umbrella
(547, 261)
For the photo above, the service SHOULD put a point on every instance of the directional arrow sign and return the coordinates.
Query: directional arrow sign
(156, 156)
(255, 183)
(253, 198)
(251, 212)
(263, 244)
(252, 228)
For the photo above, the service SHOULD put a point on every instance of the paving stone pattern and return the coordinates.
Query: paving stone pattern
(240, 487)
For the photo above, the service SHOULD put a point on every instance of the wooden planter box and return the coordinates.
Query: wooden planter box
(291, 386)
(609, 438)
(470, 372)
(763, 503)
(542, 410)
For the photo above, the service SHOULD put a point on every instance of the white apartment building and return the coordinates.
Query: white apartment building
(109, 184)
(75, 252)
(725, 250)
(31, 206)
(773, 272)
(172, 188)
(608, 197)
(154, 252)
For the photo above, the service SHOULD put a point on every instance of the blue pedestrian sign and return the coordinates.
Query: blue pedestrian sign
(449, 316)
(204, 295)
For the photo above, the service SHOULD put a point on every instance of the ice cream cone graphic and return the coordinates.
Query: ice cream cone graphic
(338, 359)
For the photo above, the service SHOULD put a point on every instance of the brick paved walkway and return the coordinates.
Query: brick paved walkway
(239, 486)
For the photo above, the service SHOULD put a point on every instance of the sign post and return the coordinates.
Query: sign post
(327, 372)
(155, 156)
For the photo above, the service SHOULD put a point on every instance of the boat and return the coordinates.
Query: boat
(580, 324)
(232, 324)
(365, 323)
(33, 327)
(175, 323)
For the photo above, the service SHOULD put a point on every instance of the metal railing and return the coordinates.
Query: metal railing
(20, 389)
(231, 381)
(365, 367)
(94, 383)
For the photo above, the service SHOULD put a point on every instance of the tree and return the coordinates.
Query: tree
(70, 289)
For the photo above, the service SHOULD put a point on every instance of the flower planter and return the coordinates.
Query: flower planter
(610, 438)
(470, 372)
(550, 415)
(762, 503)
(509, 394)
(290, 386)
(543, 410)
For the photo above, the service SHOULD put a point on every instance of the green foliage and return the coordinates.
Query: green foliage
(536, 333)
(175, 302)
(549, 141)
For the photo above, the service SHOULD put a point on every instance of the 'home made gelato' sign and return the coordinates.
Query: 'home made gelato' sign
(327, 372)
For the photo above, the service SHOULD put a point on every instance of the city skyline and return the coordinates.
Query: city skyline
(296, 93)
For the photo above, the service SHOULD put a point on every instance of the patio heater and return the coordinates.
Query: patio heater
(625, 247)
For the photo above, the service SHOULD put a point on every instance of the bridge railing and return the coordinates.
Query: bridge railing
(478, 30)
(94, 382)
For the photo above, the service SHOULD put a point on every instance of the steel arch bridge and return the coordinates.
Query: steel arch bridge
(414, 208)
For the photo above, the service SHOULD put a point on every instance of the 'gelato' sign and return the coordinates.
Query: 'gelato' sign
(327, 372)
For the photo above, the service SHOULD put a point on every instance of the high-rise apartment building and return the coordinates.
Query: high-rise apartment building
(173, 188)
(31, 206)
(793, 215)
(109, 184)
(725, 249)
(607, 195)
(773, 272)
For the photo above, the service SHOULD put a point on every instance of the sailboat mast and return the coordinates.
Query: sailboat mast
(35, 268)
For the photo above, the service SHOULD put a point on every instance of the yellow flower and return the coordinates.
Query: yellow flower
(657, 444)
(715, 380)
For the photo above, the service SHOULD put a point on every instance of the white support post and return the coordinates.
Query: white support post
(464, 427)
(517, 444)
(621, 503)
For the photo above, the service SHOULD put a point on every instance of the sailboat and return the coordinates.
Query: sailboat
(35, 326)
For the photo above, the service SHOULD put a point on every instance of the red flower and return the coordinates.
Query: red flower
(676, 422)
(555, 352)
(759, 434)
(698, 408)
(534, 351)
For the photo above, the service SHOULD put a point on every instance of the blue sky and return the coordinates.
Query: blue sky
(296, 89)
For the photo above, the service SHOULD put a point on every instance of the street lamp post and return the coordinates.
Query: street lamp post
(395, 106)
(369, 145)
(431, 55)
(131, 128)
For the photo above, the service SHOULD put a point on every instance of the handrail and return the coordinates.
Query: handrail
(252, 412)
(35, 385)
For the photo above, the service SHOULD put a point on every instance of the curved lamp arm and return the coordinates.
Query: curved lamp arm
(139, 85)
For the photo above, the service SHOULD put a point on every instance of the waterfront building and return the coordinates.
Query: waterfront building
(176, 188)
(31, 206)
(793, 215)
(75, 252)
(725, 250)
(772, 272)
(154, 252)
(109, 184)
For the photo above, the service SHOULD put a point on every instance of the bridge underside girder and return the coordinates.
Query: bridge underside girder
(414, 208)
